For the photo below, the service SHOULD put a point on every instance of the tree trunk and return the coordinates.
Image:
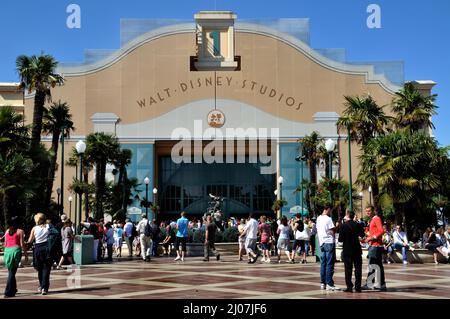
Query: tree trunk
(52, 167)
(124, 193)
(86, 195)
(39, 101)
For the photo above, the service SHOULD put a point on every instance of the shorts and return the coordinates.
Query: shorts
(265, 246)
(241, 242)
(299, 243)
(182, 241)
(284, 244)
(250, 245)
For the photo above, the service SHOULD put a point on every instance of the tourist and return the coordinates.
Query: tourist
(241, 239)
(144, 237)
(284, 239)
(118, 239)
(401, 242)
(155, 238)
(274, 225)
(128, 234)
(251, 235)
(444, 245)
(168, 240)
(42, 261)
(181, 237)
(14, 243)
(67, 237)
(210, 238)
(349, 235)
(375, 253)
(387, 245)
(425, 236)
(109, 240)
(297, 228)
(266, 234)
(92, 229)
(326, 234)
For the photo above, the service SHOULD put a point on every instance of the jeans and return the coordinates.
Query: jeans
(327, 264)
(403, 248)
(155, 244)
(43, 265)
(349, 262)
(209, 245)
(95, 252)
(129, 242)
(376, 261)
(109, 248)
(11, 284)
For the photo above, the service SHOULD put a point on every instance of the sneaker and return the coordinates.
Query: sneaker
(348, 290)
(405, 262)
(436, 263)
(303, 261)
(365, 287)
(44, 293)
(218, 257)
(182, 259)
(39, 290)
(263, 259)
(332, 288)
(389, 262)
(322, 286)
(253, 260)
(205, 259)
(268, 260)
(178, 258)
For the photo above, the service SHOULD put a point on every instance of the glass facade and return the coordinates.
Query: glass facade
(187, 186)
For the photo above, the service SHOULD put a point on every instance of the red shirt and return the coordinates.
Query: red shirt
(376, 229)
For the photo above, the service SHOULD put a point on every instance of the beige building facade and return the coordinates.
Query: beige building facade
(209, 78)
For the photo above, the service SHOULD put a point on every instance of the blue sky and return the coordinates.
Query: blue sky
(414, 31)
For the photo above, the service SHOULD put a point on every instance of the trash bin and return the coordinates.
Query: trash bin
(83, 246)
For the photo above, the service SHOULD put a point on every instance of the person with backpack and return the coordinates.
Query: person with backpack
(301, 237)
(54, 243)
(145, 235)
(92, 228)
(155, 238)
(42, 257)
(14, 243)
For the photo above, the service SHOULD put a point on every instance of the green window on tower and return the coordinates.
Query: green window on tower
(215, 36)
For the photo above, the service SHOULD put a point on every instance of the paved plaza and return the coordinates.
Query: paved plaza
(163, 278)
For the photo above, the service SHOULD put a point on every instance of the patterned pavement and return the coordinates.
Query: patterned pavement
(163, 278)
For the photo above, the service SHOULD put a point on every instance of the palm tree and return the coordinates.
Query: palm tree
(121, 162)
(409, 166)
(38, 73)
(101, 149)
(363, 120)
(413, 109)
(309, 147)
(56, 119)
(13, 132)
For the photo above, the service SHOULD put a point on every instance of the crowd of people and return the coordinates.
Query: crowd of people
(270, 238)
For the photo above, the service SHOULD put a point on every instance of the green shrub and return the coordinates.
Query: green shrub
(230, 235)
(199, 236)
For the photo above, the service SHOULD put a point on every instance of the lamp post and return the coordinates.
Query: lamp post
(155, 192)
(146, 181)
(330, 145)
(370, 195)
(280, 182)
(81, 148)
(301, 159)
(58, 191)
(70, 205)
(350, 187)
(62, 168)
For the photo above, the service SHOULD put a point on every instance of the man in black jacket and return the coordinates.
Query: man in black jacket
(352, 253)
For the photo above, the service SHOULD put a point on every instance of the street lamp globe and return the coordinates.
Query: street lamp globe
(330, 145)
(58, 191)
(280, 180)
(70, 198)
(147, 181)
(276, 192)
(361, 194)
(370, 189)
(155, 191)
(80, 147)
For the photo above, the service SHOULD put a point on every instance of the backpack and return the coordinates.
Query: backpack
(53, 241)
(148, 230)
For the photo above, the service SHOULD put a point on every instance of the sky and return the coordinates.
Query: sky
(414, 31)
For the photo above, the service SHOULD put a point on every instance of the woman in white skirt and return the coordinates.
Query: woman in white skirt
(284, 239)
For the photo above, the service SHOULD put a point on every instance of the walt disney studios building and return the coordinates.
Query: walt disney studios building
(215, 77)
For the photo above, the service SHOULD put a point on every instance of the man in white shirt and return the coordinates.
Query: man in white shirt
(401, 242)
(326, 234)
(145, 240)
(251, 234)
